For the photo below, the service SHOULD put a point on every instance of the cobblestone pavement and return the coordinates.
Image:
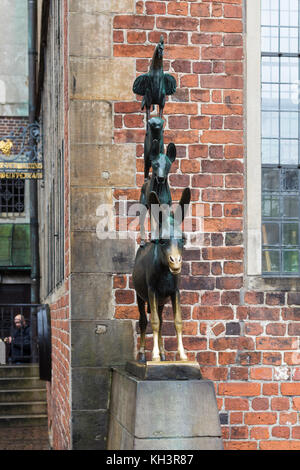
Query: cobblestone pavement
(27, 438)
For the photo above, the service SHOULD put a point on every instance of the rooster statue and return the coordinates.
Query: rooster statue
(155, 85)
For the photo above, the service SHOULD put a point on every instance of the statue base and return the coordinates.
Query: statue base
(162, 414)
(164, 370)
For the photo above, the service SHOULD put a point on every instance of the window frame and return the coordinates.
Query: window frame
(254, 277)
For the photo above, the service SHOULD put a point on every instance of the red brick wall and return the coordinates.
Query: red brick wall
(58, 396)
(11, 125)
(246, 342)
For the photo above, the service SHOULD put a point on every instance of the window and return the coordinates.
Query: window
(280, 137)
(12, 192)
(52, 214)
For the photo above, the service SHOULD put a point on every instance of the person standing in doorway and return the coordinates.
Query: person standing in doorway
(19, 341)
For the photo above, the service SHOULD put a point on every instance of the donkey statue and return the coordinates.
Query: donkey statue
(156, 275)
(158, 183)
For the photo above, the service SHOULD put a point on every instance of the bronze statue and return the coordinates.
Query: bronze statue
(154, 131)
(158, 263)
(156, 277)
(155, 85)
(158, 183)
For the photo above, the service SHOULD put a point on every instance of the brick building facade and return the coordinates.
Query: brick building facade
(241, 326)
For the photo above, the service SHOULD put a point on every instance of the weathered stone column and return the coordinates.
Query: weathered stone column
(96, 80)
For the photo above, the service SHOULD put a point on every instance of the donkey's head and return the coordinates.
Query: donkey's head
(160, 162)
(170, 239)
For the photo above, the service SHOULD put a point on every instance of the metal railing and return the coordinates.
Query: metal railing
(18, 328)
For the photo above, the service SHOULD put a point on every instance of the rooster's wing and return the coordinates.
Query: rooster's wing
(141, 84)
(170, 84)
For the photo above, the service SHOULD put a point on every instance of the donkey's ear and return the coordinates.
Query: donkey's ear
(171, 152)
(185, 197)
(154, 149)
(182, 209)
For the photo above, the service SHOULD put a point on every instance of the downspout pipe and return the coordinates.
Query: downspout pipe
(43, 47)
(32, 79)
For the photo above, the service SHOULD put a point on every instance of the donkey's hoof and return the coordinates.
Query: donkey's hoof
(155, 358)
(162, 356)
(184, 358)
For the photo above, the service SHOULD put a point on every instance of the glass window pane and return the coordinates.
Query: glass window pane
(289, 125)
(291, 206)
(6, 231)
(290, 180)
(270, 97)
(289, 70)
(270, 151)
(271, 234)
(271, 206)
(288, 40)
(291, 261)
(270, 69)
(271, 261)
(270, 124)
(269, 12)
(288, 152)
(270, 179)
(289, 13)
(269, 39)
(289, 96)
(290, 235)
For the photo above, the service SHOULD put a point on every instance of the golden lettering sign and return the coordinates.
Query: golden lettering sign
(24, 175)
(21, 166)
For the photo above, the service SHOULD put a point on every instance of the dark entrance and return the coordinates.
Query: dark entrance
(15, 293)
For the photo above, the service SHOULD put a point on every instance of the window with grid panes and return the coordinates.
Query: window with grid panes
(280, 107)
(12, 194)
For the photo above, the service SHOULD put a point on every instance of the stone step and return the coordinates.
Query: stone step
(23, 408)
(24, 370)
(22, 383)
(19, 421)
(22, 403)
(29, 395)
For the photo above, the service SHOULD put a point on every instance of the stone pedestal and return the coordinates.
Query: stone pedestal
(162, 414)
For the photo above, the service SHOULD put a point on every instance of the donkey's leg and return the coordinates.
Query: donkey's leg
(142, 218)
(154, 323)
(160, 340)
(143, 325)
(178, 324)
